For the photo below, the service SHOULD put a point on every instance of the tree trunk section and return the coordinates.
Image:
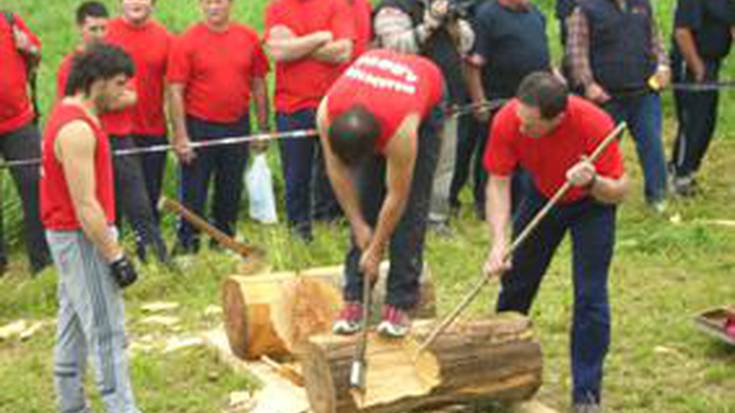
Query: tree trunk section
(491, 359)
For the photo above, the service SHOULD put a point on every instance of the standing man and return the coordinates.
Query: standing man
(438, 30)
(549, 135)
(375, 126)
(215, 68)
(148, 43)
(92, 20)
(614, 51)
(20, 50)
(511, 43)
(310, 41)
(78, 211)
(702, 39)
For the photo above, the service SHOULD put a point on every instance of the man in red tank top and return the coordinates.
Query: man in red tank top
(375, 122)
(78, 212)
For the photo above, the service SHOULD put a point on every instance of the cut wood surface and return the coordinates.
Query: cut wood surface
(492, 359)
(269, 314)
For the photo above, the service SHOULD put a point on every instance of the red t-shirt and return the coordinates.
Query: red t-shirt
(302, 83)
(362, 10)
(391, 86)
(57, 209)
(148, 45)
(15, 106)
(216, 69)
(548, 158)
(116, 123)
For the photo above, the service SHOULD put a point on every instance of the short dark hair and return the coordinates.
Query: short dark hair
(353, 133)
(99, 61)
(91, 9)
(545, 91)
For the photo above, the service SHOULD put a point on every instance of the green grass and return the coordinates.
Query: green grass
(662, 274)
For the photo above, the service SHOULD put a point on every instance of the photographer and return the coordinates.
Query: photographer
(438, 31)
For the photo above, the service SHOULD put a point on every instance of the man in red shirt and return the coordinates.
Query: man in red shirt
(92, 20)
(376, 124)
(310, 41)
(549, 135)
(78, 211)
(214, 69)
(19, 136)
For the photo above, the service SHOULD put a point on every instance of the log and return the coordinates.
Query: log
(495, 359)
(269, 314)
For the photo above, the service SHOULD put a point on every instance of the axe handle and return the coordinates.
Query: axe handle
(204, 226)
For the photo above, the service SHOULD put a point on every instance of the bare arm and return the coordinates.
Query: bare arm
(336, 52)
(127, 99)
(610, 190)
(259, 89)
(497, 210)
(177, 111)
(285, 46)
(342, 183)
(75, 149)
(685, 40)
(473, 79)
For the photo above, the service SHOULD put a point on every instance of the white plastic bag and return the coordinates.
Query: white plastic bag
(259, 182)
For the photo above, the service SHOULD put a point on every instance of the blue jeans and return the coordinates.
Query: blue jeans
(642, 112)
(592, 227)
(407, 240)
(154, 168)
(226, 164)
(90, 324)
(305, 174)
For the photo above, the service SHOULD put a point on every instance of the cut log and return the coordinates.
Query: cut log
(493, 359)
(269, 314)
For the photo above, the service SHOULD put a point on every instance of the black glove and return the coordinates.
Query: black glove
(123, 271)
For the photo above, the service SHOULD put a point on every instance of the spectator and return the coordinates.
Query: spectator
(20, 50)
(614, 49)
(215, 68)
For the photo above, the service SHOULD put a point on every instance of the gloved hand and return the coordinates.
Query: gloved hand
(123, 271)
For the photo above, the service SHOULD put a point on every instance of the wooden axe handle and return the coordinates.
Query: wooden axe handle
(204, 226)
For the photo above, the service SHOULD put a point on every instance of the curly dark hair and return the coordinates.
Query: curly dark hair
(98, 62)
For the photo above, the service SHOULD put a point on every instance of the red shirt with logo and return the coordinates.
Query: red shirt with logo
(148, 45)
(16, 109)
(391, 86)
(547, 159)
(216, 69)
(301, 84)
(57, 209)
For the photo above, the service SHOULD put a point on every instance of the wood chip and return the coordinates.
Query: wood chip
(159, 306)
(213, 310)
(15, 328)
(30, 331)
(178, 343)
(161, 320)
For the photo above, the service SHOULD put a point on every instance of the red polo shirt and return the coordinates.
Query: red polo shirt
(216, 69)
(148, 45)
(15, 106)
(548, 158)
(302, 83)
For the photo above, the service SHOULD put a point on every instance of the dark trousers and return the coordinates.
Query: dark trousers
(25, 143)
(592, 228)
(407, 241)
(696, 112)
(131, 199)
(226, 164)
(305, 174)
(154, 168)
(642, 112)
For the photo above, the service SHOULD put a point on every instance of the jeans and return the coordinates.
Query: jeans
(407, 241)
(154, 168)
(642, 112)
(25, 143)
(696, 112)
(132, 199)
(305, 174)
(90, 324)
(226, 164)
(592, 228)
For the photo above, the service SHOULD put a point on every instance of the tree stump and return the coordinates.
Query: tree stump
(492, 359)
(269, 314)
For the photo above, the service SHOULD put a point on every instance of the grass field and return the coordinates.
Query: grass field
(666, 268)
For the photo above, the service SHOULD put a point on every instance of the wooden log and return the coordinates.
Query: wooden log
(269, 314)
(492, 359)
